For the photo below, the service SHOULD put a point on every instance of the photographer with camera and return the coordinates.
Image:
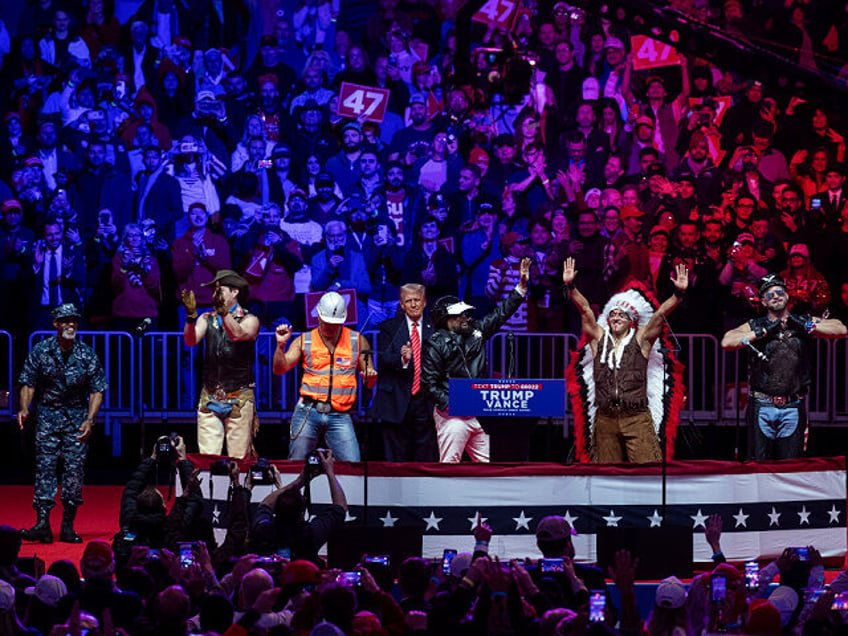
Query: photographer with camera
(135, 283)
(278, 522)
(143, 514)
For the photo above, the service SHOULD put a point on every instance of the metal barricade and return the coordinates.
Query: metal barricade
(7, 378)
(839, 383)
(699, 354)
(820, 399)
(116, 350)
(171, 373)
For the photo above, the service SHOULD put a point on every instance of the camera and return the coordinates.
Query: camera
(166, 449)
(552, 565)
(447, 558)
(350, 579)
(718, 588)
(261, 473)
(220, 467)
(803, 553)
(187, 557)
(273, 564)
(382, 559)
(704, 119)
(105, 218)
(597, 606)
(314, 466)
(752, 575)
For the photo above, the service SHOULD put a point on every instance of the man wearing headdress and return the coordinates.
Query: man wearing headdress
(779, 370)
(625, 390)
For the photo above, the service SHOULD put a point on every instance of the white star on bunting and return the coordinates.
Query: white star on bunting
(473, 520)
(741, 519)
(522, 522)
(700, 519)
(804, 516)
(774, 518)
(655, 519)
(432, 521)
(612, 520)
(388, 520)
(834, 514)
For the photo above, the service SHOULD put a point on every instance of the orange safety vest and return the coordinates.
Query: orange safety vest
(330, 378)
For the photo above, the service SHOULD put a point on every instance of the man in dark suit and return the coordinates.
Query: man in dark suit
(401, 404)
(826, 206)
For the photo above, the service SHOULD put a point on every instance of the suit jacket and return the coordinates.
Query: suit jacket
(823, 212)
(394, 383)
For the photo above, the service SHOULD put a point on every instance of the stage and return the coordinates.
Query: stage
(765, 506)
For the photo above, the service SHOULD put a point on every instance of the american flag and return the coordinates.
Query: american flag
(765, 507)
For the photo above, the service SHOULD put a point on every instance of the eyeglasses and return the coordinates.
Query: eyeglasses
(777, 293)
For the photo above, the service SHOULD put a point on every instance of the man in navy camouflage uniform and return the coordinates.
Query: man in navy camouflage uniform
(61, 374)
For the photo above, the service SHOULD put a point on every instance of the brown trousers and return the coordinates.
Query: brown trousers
(625, 438)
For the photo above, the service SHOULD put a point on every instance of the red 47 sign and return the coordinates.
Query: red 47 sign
(497, 13)
(365, 103)
(650, 53)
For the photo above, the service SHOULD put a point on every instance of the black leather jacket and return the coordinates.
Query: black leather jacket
(451, 355)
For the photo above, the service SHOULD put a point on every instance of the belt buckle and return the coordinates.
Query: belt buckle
(779, 400)
(323, 407)
(219, 394)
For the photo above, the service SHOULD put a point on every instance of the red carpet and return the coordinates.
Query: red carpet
(97, 519)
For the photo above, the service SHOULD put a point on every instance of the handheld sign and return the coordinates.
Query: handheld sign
(496, 13)
(363, 102)
(650, 53)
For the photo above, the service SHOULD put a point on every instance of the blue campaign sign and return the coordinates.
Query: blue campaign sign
(510, 398)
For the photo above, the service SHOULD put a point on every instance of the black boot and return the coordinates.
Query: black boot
(41, 531)
(66, 532)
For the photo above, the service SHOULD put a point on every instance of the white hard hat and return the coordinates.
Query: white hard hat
(332, 308)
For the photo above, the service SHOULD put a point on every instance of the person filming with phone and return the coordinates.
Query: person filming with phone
(278, 525)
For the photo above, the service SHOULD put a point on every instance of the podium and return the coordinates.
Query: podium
(497, 397)
(508, 409)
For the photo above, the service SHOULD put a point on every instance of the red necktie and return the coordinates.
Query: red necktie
(416, 358)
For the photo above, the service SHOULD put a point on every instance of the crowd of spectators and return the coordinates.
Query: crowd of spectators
(164, 573)
(139, 155)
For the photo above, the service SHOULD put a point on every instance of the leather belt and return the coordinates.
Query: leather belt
(615, 408)
(320, 407)
(777, 400)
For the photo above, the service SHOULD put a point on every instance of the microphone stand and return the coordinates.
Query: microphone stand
(367, 423)
(139, 332)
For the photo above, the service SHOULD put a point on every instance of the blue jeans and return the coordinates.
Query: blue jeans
(778, 431)
(308, 426)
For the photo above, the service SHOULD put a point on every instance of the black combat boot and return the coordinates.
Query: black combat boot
(66, 532)
(41, 531)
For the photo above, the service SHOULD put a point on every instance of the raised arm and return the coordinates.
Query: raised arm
(590, 326)
(194, 329)
(654, 327)
(285, 361)
(829, 328)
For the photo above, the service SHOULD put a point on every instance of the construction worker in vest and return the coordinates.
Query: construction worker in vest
(331, 355)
